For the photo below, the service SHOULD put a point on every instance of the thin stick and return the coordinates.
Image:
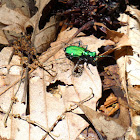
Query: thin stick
(24, 97)
(85, 26)
(42, 60)
(62, 116)
(12, 102)
(29, 121)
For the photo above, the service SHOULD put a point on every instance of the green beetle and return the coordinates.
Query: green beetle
(82, 54)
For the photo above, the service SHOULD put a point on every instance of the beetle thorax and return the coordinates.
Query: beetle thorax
(92, 54)
(86, 53)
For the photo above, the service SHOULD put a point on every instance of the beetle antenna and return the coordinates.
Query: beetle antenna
(104, 56)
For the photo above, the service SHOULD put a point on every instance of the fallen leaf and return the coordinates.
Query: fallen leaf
(13, 20)
(42, 37)
(18, 5)
(3, 39)
(112, 128)
(129, 66)
(46, 106)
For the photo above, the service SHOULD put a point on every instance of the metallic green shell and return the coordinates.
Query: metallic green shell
(74, 51)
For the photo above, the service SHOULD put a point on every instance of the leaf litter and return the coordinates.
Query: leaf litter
(56, 111)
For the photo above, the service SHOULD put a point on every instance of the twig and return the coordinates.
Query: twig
(24, 97)
(12, 102)
(62, 116)
(29, 121)
(16, 81)
(13, 51)
(34, 67)
(47, 57)
(84, 27)
(26, 85)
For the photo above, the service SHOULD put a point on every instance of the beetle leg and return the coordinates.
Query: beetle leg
(76, 66)
(79, 43)
(89, 68)
(85, 46)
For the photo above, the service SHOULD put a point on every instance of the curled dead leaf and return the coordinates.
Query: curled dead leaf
(112, 128)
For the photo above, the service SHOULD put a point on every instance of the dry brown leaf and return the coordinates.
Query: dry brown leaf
(5, 55)
(42, 38)
(119, 40)
(72, 125)
(135, 12)
(16, 125)
(129, 67)
(13, 20)
(17, 5)
(76, 88)
(113, 35)
(132, 69)
(14, 71)
(3, 39)
(110, 105)
(134, 97)
(132, 30)
(45, 107)
(112, 128)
